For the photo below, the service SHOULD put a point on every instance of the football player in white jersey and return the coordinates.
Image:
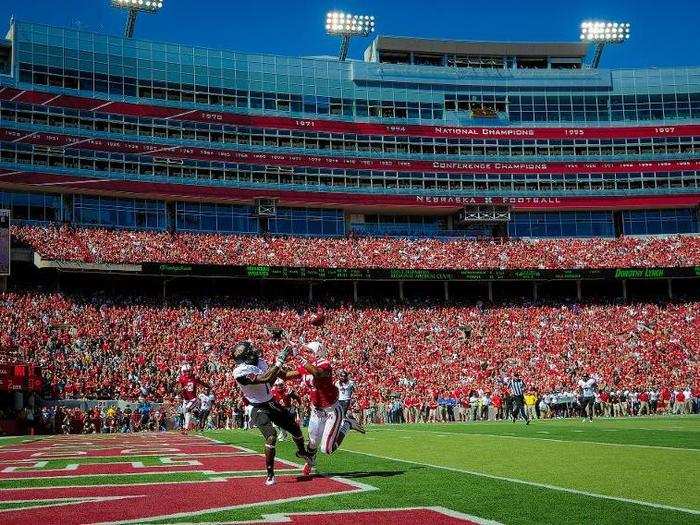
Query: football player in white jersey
(588, 387)
(255, 378)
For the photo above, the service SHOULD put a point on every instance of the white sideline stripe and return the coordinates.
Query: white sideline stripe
(531, 483)
(534, 438)
(62, 502)
(669, 429)
(285, 517)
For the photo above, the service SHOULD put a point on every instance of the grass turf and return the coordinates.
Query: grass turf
(499, 471)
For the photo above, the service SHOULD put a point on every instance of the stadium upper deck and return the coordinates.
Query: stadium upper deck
(516, 137)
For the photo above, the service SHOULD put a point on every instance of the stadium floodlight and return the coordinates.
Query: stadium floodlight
(135, 7)
(347, 26)
(601, 33)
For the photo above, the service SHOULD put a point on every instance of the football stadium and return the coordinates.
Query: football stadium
(355, 278)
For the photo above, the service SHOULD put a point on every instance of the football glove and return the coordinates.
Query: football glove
(282, 356)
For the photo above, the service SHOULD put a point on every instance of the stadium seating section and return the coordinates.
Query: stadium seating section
(118, 246)
(102, 347)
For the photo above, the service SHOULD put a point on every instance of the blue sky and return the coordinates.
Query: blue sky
(660, 36)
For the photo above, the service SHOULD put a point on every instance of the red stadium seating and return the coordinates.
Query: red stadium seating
(118, 246)
(97, 348)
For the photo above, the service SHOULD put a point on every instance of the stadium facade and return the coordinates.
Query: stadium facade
(426, 138)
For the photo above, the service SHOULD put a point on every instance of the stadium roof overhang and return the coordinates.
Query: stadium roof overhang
(352, 202)
(463, 47)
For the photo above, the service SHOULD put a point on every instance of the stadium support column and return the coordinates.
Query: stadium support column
(578, 290)
(446, 287)
(670, 289)
(66, 208)
(170, 219)
(355, 295)
(401, 295)
(3, 283)
(311, 292)
(624, 290)
(534, 292)
(617, 223)
(490, 291)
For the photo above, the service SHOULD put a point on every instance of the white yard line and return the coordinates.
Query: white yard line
(534, 438)
(531, 483)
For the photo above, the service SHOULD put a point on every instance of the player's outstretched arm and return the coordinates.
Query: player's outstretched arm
(289, 374)
(315, 370)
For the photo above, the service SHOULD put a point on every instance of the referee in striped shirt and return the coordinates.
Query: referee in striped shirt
(517, 392)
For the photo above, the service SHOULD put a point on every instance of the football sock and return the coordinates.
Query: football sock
(270, 459)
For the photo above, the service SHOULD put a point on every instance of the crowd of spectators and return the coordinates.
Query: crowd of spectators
(407, 359)
(120, 246)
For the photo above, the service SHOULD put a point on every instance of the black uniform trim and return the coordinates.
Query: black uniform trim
(265, 414)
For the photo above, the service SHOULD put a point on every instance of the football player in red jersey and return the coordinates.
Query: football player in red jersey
(328, 424)
(188, 391)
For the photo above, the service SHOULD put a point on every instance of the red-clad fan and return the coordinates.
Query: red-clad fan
(285, 398)
(188, 390)
(283, 395)
(328, 423)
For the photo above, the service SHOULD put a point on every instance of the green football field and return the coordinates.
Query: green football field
(637, 470)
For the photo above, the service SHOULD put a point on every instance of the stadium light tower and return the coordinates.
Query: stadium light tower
(347, 26)
(135, 7)
(601, 33)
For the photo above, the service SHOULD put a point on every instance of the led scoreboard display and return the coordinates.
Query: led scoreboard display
(4, 242)
(21, 377)
(412, 274)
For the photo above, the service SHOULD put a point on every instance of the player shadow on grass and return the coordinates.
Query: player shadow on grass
(356, 475)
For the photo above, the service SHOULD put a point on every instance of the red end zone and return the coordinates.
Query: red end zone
(143, 501)
(232, 481)
(428, 515)
(136, 502)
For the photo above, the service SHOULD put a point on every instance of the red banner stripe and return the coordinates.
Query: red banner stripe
(336, 126)
(326, 162)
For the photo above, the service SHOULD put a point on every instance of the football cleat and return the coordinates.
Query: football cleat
(355, 424)
(270, 480)
(308, 468)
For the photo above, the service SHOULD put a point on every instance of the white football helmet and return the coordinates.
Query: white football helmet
(185, 367)
(316, 348)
